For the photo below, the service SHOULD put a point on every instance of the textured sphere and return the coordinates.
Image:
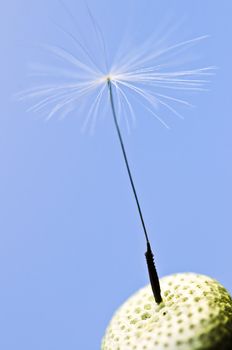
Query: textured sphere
(196, 314)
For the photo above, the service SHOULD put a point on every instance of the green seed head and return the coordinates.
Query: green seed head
(196, 314)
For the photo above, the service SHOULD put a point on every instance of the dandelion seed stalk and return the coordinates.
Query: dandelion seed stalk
(154, 279)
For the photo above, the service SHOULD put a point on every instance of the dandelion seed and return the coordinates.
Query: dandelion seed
(146, 74)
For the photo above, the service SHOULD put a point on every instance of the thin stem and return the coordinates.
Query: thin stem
(154, 279)
(126, 161)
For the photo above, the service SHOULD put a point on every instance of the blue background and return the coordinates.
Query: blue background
(71, 243)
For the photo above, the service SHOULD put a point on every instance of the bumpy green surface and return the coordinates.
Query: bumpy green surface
(196, 314)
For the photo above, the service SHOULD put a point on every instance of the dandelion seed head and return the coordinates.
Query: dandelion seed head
(196, 313)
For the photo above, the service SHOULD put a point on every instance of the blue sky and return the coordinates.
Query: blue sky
(71, 244)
